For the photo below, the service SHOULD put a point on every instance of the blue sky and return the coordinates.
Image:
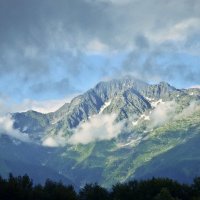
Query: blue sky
(52, 50)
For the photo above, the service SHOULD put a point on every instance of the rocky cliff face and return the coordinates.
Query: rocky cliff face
(126, 97)
(159, 121)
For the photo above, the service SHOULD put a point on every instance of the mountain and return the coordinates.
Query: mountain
(119, 130)
(125, 96)
(22, 158)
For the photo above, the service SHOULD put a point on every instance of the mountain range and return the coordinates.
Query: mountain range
(119, 130)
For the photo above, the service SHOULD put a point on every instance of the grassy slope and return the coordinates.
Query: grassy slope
(107, 164)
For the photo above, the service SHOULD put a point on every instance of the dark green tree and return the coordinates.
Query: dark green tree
(125, 191)
(58, 191)
(196, 188)
(93, 192)
(164, 195)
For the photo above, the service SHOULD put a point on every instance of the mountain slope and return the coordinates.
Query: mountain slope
(154, 122)
(180, 163)
(21, 158)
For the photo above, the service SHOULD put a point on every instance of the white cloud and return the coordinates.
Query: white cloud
(42, 106)
(97, 47)
(189, 110)
(58, 140)
(99, 127)
(50, 142)
(162, 113)
(167, 111)
(6, 122)
(54, 141)
(6, 128)
(45, 106)
(178, 32)
(7, 106)
(195, 86)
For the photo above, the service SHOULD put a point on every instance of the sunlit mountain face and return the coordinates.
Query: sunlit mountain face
(100, 91)
(117, 131)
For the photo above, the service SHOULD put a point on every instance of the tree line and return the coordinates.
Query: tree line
(22, 188)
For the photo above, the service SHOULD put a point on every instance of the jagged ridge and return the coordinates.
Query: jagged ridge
(133, 153)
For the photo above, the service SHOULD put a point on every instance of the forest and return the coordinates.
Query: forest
(23, 188)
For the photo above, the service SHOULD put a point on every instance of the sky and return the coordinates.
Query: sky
(53, 50)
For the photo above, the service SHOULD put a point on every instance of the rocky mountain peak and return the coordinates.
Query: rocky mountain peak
(126, 96)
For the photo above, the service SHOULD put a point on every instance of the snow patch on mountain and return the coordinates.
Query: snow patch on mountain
(149, 99)
(135, 123)
(145, 117)
(130, 143)
(104, 106)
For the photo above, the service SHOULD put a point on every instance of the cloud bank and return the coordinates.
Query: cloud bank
(45, 106)
(7, 106)
(6, 128)
(163, 112)
(98, 128)
(58, 140)
(166, 111)
(193, 107)
(104, 126)
(6, 122)
(195, 86)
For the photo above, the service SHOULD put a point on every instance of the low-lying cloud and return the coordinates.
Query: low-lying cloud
(6, 122)
(6, 128)
(58, 140)
(189, 110)
(104, 126)
(7, 106)
(162, 113)
(98, 128)
(166, 111)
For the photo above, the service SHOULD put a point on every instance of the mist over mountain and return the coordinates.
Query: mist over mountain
(119, 130)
